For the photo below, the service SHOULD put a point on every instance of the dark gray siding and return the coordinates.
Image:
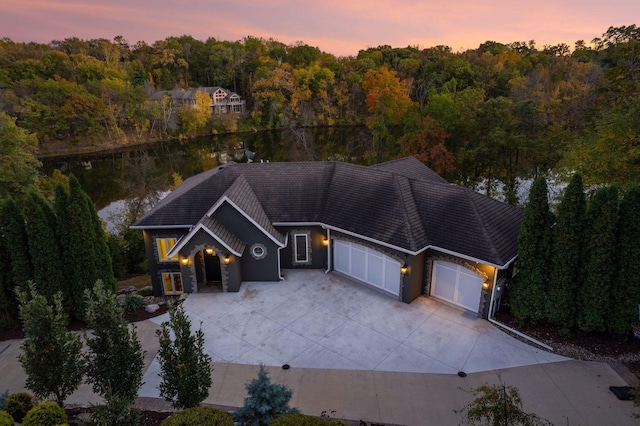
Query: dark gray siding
(156, 268)
(317, 251)
(251, 269)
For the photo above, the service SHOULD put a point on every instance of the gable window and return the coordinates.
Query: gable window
(172, 282)
(301, 248)
(164, 246)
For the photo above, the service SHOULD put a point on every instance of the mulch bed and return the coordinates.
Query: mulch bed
(75, 325)
(587, 346)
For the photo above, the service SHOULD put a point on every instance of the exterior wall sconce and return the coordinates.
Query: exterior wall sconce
(485, 285)
(404, 269)
(185, 260)
(325, 242)
(209, 250)
(226, 260)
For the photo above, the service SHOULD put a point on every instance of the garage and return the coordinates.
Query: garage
(367, 265)
(456, 284)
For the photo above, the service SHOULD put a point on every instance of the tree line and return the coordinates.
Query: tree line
(493, 114)
(580, 267)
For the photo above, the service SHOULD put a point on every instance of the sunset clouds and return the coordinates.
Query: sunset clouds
(339, 27)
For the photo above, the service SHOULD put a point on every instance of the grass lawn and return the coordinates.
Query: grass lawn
(138, 281)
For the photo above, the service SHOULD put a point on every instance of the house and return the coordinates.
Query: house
(223, 101)
(396, 227)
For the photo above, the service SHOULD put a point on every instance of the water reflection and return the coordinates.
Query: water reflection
(128, 181)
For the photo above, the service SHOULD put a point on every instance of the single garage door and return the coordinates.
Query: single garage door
(367, 265)
(456, 284)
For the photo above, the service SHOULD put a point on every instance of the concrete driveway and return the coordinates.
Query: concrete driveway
(318, 320)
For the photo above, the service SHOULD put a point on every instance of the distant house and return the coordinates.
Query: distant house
(396, 227)
(223, 101)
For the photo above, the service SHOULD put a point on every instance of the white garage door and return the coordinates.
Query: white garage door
(456, 284)
(367, 265)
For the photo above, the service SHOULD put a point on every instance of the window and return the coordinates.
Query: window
(258, 251)
(164, 246)
(301, 248)
(172, 282)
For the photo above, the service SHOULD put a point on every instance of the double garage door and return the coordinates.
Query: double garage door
(456, 284)
(367, 265)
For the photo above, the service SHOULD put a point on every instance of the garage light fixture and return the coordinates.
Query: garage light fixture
(209, 250)
(185, 260)
(226, 260)
(485, 285)
(325, 242)
(403, 269)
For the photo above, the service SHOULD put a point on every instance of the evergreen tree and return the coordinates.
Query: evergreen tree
(85, 251)
(185, 367)
(601, 244)
(115, 359)
(15, 237)
(43, 245)
(265, 403)
(102, 255)
(51, 355)
(625, 288)
(528, 290)
(568, 256)
(15, 262)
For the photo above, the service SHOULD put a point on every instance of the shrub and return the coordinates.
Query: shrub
(304, 420)
(45, 414)
(6, 419)
(266, 402)
(133, 302)
(18, 405)
(116, 412)
(184, 364)
(199, 416)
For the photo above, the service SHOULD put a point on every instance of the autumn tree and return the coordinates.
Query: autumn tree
(568, 256)
(601, 243)
(427, 144)
(388, 103)
(193, 118)
(18, 162)
(527, 293)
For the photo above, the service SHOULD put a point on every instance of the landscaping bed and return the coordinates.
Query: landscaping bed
(591, 346)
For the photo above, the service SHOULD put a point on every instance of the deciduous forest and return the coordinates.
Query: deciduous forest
(498, 112)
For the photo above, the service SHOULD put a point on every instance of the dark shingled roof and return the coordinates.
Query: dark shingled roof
(402, 203)
(241, 194)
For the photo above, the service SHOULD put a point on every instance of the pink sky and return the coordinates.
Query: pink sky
(339, 27)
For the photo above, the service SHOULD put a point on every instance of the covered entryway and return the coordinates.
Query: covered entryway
(367, 265)
(456, 284)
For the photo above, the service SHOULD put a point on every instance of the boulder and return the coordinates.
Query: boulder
(151, 308)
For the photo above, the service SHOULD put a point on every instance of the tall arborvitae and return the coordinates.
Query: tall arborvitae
(528, 290)
(15, 237)
(625, 288)
(61, 208)
(84, 248)
(601, 243)
(43, 245)
(102, 255)
(568, 256)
